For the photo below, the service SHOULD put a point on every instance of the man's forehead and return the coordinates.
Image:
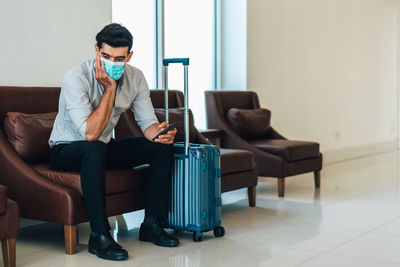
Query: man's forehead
(114, 51)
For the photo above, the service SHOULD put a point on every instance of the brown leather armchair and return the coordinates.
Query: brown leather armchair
(9, 223)
(238, 168)
(46, 195)
(275, 155)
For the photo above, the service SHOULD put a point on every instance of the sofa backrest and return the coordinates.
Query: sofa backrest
(175, 98)
(31, 100)
(127, 125)
(38, 100)
(176, 101)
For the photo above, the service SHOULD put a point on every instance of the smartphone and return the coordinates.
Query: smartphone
(169, 128)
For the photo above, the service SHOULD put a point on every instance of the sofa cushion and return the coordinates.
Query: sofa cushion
(289, 149)
(29, 134)
(177, 114)
(117, 180)
(249, 123)
(235, 160)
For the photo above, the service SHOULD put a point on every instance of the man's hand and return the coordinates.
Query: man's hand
(101, 75)
(167, 138)
(98, 120)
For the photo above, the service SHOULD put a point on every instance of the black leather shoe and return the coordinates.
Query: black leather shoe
(156, 234)
(104, 246)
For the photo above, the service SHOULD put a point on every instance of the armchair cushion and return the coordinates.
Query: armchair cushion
(250, 123)
(235, 161)
(290, 150)
(29, 134)
(3, 199)
(177, 114)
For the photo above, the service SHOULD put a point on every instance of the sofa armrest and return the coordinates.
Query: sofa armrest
(3, 199)
(215, 134)
(211, 133)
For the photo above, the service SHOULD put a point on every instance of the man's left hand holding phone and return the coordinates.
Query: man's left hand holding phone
(167, 138)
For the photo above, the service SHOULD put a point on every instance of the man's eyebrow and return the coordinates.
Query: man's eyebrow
(119, 57)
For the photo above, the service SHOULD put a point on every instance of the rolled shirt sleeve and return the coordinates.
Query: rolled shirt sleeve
(77, 102)
(142, 107)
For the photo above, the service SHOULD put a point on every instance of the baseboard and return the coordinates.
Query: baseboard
(333, 156)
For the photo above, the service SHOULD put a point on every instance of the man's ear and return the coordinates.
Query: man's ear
(129, 56)
(96, 49)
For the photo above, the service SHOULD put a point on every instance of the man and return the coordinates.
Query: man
(93, 96)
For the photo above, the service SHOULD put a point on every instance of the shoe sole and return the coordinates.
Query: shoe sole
(119, 258)
(158, 244)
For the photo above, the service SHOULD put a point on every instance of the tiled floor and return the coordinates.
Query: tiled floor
(353, 220)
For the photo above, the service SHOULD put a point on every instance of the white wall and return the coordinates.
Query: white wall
(326, 69)
(42, 39)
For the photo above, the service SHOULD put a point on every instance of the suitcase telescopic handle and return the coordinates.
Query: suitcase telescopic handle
(185, 63)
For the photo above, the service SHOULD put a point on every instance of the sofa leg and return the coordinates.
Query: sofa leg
(251, 194)
(317, 179)
(281, 187)
(8, 247)
(70, 235)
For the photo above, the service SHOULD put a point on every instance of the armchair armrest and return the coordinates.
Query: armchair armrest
(213, 134)
(273, 134)
(3, 199)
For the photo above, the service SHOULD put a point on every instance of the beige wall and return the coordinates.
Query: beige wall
(326, 68)
(41, 39)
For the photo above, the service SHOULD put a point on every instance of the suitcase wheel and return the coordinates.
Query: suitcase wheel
(197, 236)
(219, 231)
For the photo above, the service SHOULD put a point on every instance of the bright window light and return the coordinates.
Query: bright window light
(138, 16)
(189, 32)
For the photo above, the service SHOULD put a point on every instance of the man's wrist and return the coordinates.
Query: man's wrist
(111, 87)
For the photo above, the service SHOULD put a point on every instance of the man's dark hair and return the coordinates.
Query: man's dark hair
(114, 35)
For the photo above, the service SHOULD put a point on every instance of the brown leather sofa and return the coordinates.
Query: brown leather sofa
(9, 223)
(238, 168)
(46, 195)
(246, 126)
(43, 194)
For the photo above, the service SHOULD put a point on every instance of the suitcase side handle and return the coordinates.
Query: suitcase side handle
(184, 61)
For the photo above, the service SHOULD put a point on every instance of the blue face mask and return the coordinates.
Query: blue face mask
(113, 69)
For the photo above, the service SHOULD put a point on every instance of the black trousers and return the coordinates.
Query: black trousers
(94, 157)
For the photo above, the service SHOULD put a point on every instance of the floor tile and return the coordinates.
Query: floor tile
(342, 261)
(372, 247)
(392, 228)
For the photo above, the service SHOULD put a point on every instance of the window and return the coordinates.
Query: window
(138, 17)
(189, 31)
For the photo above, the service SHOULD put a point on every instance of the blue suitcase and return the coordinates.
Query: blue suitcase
(195, 202)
